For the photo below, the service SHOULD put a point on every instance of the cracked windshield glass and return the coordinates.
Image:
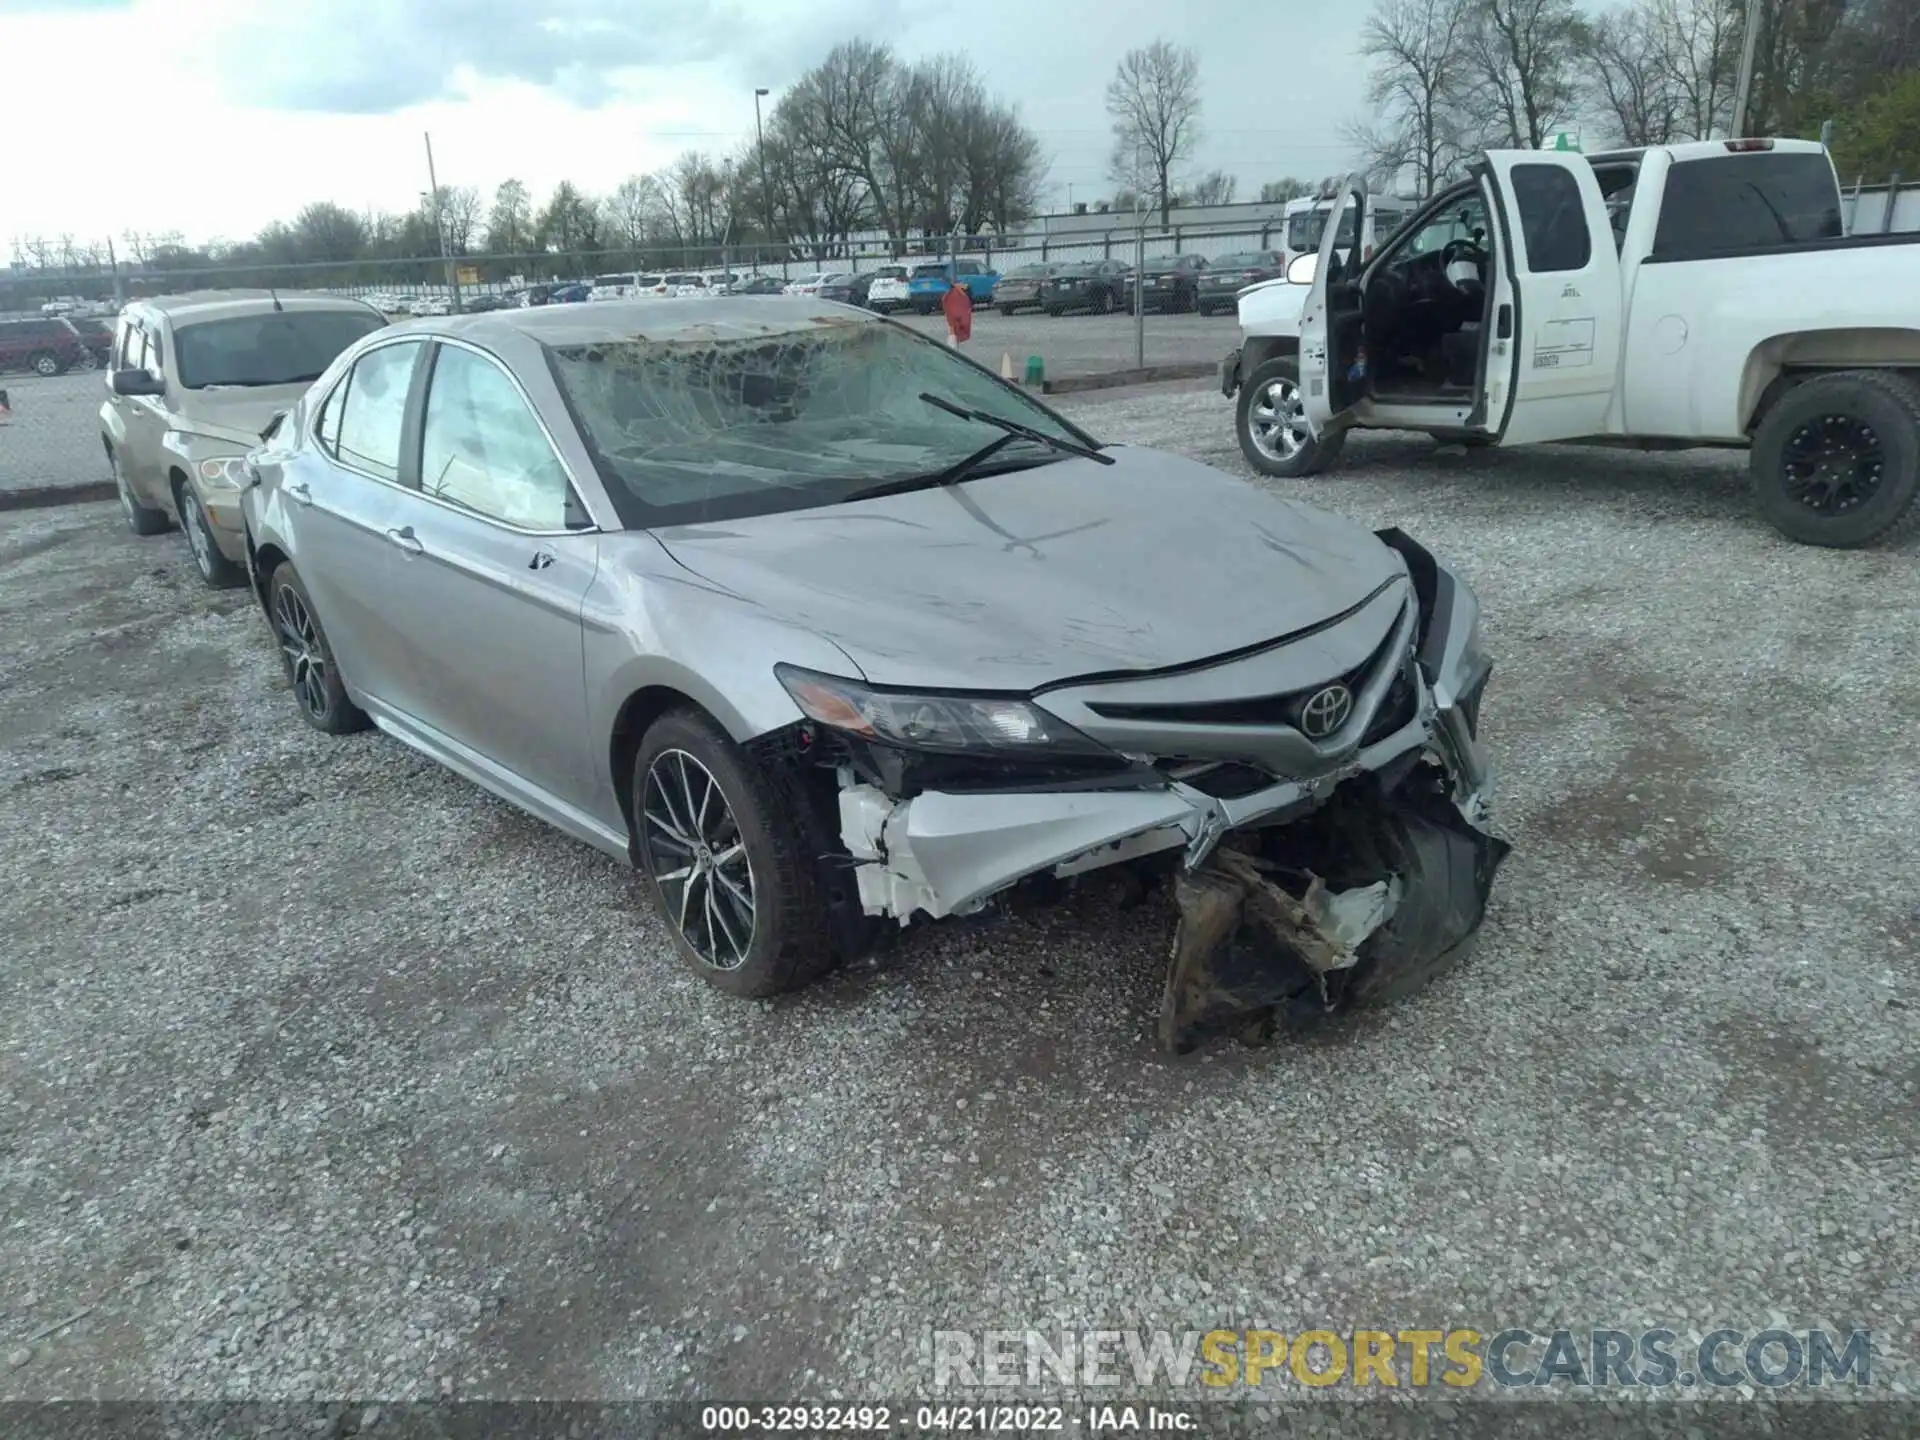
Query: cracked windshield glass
(764, 419)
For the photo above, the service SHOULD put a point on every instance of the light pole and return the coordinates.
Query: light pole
(1139, 260)
(760, 148)
(440, 229)
(1743, 85)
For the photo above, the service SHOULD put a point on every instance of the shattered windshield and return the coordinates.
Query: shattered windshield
(750, 421)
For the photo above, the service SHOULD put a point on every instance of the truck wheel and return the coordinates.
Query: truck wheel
(1836, 461)
(1272, 424)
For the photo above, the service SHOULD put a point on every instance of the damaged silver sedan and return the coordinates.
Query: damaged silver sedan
(824, 628)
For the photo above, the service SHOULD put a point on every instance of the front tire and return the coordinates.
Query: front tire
(1271, 423)
(45, 363)
(1836, 461)
(307, 658)
(722, 846)
(215, 569)
(1102, 303)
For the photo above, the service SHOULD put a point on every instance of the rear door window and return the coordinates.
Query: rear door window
(373, 410)
(1732, 203)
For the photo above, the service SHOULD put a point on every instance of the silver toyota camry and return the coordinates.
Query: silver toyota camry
(823, 627)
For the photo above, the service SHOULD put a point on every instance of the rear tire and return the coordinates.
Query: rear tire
(1271, 428)
(45, 363)
(1006, 310)
(703, 859)
(1836, 461)
(1102, 303)
(141, 519)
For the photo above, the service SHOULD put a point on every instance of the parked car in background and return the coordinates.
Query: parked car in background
(96, 335)
(49, 345)
(929, 283)
(458, 537)
(482, 303)
(888, 292)
(1169, 283)
(845, 287)
(65, 305)
(1226, 275)
(1096, 286)
(572, 292)
(432, 305)
(685, 285)
(617, 287)
(1022, 288)
(805, 284)
(759, 285)
(194, 381)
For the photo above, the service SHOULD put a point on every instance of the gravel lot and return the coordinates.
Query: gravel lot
(326, 1073)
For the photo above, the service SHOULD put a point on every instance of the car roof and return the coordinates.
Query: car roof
(692, 318)
(225, 304)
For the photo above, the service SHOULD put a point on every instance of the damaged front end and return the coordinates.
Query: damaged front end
(1322, 799)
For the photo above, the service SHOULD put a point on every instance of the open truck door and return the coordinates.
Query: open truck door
(1557, 312)
(1328, 387)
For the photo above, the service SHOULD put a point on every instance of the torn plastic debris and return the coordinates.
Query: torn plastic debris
(1249, 951)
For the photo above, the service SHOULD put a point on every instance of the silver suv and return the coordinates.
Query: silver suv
(193, 382)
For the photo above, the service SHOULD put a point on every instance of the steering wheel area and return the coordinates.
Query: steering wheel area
(1462, 249)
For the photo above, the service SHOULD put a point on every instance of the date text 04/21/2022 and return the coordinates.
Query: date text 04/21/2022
(955, 1419)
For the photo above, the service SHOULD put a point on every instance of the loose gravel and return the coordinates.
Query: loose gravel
(328, 1074)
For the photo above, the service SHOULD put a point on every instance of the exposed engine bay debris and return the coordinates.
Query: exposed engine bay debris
(1250, 955)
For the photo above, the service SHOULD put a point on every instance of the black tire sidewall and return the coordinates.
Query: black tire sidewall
(342, 716)
(1891, 405)
(219, 572)
(782, 898)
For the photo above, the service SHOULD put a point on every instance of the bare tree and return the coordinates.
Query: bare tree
(461, 210)
(631, 210)
(1154, 99)
(1630, 77)
(1216, 187)
(1520, 64)
(1416, 79)
(510, 219)
(1278, 192)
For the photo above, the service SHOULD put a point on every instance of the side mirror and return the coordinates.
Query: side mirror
(135, 382)
(1301, 270)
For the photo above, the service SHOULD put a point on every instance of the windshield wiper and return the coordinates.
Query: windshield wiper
(1015, 428)
(953, 474)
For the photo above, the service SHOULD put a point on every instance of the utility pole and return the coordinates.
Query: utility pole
(1743, 86)
(1139, 260)
(760, 146)
(440, 229)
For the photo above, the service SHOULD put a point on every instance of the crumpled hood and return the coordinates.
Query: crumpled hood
(237, 415)
(1015, 581)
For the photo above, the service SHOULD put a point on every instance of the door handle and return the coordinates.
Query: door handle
(298, 490)
(541, 560)
(407, 540)
(1503, 323)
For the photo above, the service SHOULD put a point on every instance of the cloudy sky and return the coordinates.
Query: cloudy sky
(212, 117)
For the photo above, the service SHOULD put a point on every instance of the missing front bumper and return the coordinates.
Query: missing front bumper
(1286, 900)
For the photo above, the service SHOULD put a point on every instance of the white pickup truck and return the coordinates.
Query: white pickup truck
(1702, 294)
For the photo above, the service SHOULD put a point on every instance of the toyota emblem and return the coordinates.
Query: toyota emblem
(1325, 711)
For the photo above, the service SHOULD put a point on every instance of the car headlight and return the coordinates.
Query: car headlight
(965, 724)
(228, 473)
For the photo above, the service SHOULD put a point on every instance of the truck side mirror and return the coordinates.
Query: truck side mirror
(1301, 271)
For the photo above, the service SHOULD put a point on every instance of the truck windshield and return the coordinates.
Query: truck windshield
(281, 347)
